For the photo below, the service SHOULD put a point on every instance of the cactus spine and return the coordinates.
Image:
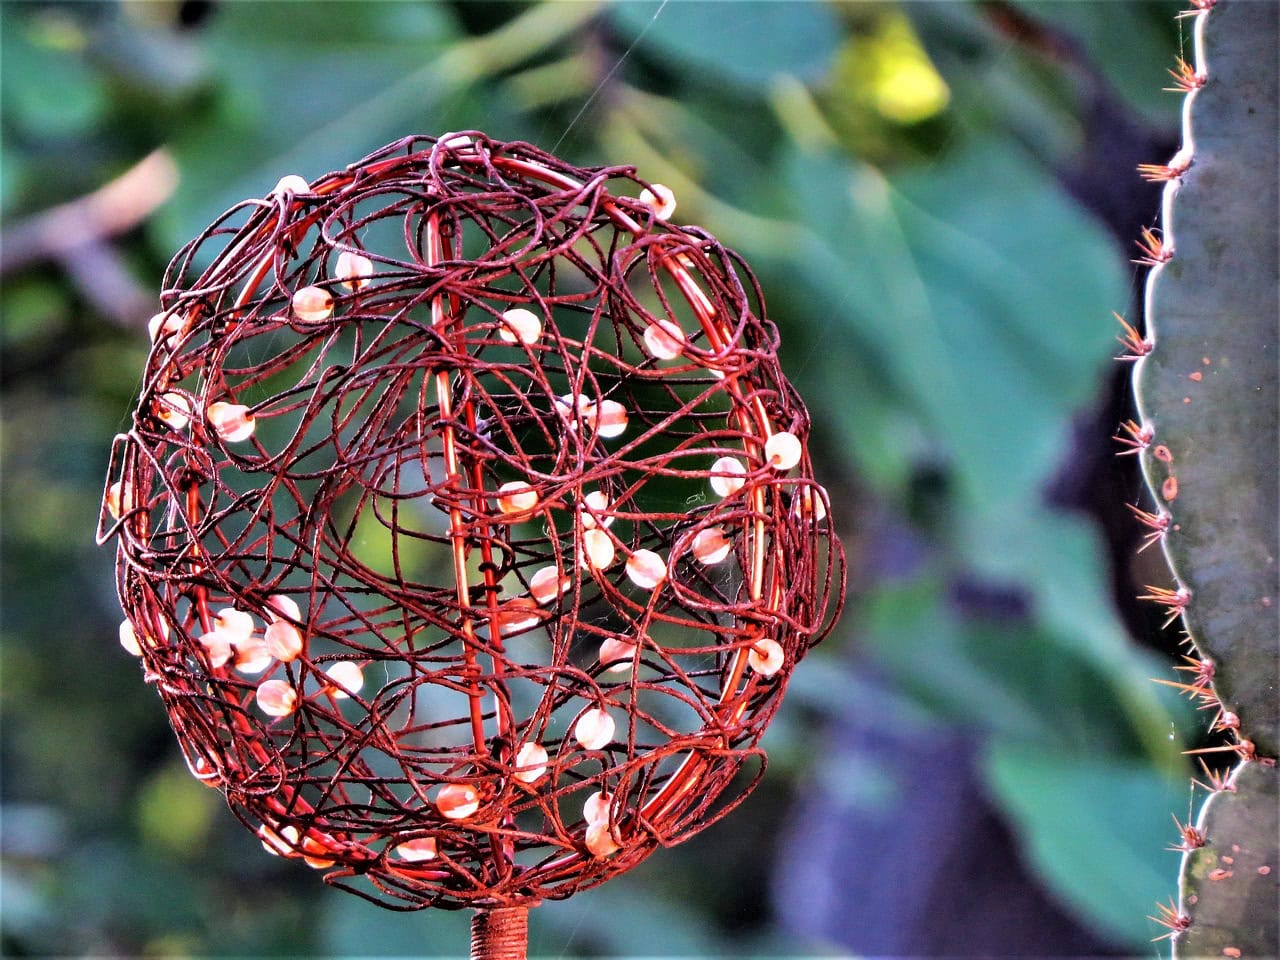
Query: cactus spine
(1206, 387)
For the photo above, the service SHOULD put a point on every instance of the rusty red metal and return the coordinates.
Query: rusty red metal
(466, 524)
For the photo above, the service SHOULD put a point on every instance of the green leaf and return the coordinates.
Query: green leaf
(49, 91)
(745, 44)
(1095, 829)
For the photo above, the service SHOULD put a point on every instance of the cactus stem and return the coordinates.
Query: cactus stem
(1168, 915)
(1154, 250)
(1138, 439)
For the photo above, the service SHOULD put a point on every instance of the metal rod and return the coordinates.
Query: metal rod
(500, 934)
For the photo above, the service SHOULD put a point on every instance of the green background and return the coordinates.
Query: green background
(939, 200)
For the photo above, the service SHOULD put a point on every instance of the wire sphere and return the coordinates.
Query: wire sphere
(466, 525)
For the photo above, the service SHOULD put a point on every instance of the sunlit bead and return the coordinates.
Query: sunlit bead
(782, 450)
(517, 615)
(520, 326)
(596, 809)
(646, 569)
(727, 486)
(600, 841)
(610, 418)
(810, 504)
(313, 304)
(291, 183)
(316, 854)
(279, 605)
(531, 763)
(231, 421)
(598, 550)
(236, 624)
(276, 698)
(664, 340)
(218, 647)
(594, 729)
(660, 199)
(164, 326)
(353, 270)
(546, 584)
(457, 801)
(283, 641)
(594, 506)
(129, 639)
(765, 657)
(345, 678)
(417, 850)
(617, 655)
(516, 497)
(173, 410)
(253, 655)
(119, 499)
(710, 545)
(279, 843)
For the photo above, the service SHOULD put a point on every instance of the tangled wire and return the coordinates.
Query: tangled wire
(466, 525)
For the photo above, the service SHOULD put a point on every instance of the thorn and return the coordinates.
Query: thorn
(1174, 600)
(1192, 839)
(1245, 750)
(1163, 172)
(1169, 916)
(1156, 523)
(1139, 437)
(1185, 78)
(1207, 697)
(1217, 781)
(1154, 251)
(1137, 345)
(1203, 668)
(1197, 7)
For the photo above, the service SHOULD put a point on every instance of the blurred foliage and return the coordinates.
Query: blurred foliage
(893, 171)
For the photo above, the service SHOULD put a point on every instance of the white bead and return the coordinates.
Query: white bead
(516, 497)
(516, 616)
(164, 326)
(347, 675)
(231, 421)
(313, 304)
(596, 809)
(253, 656)
(280, 605)
(129, 639)
(353, 270)
(611, 419)
(457, 801)
(597, 549)
(547, 584)
(646, 569)
(617, 655)
(664, 340)
(595, 505)
(283, 641)
(594, 729)
(415, 851)
(600, 840)
(727, 486)
(218, 647)
(660, 199)
(782, 450)
(236, 624)
(291, 183)
(765, 657)
(711, 546)
(520, 326)
(276, 698)
(531, 763)
(173, 410)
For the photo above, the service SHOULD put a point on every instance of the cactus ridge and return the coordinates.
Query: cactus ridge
(1207, 435)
